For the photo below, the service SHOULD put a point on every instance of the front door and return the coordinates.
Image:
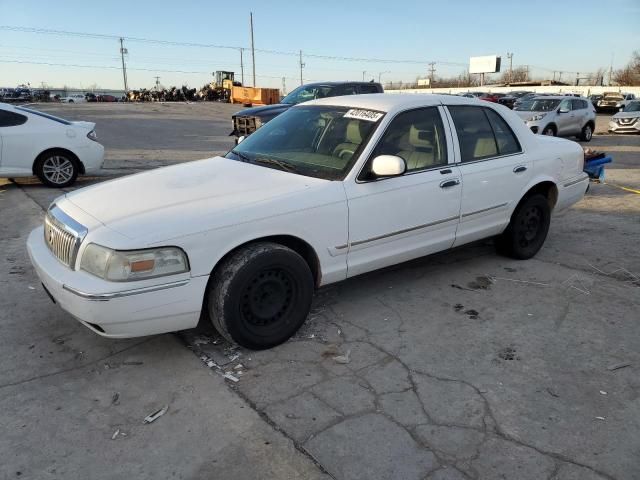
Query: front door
(566, 118)
(395, 219)
(494, 171)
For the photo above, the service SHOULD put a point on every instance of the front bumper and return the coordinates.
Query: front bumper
(118, 310)
(634, 127)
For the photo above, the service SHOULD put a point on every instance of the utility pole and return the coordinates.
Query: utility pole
(510, 57)
(380, 75)
(559, 76)
(577, 78)
(157, 83)
(241, 67)
(432, 71)
(364, 73)
(284, 86)
(302, 65)
(124, 67)
(253, 51)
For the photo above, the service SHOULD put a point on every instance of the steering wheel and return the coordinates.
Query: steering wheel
(345, 151)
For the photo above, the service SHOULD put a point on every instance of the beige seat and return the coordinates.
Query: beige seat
(352, 141)
(417, 152)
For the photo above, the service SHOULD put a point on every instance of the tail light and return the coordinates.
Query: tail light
(92, 136)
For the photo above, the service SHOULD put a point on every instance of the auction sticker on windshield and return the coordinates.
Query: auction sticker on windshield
(368, 115)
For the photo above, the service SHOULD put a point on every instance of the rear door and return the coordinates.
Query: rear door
(16, 146)
(581, 112)
(494, 170)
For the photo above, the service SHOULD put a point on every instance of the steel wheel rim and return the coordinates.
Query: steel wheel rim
(58, 169)
(267, 299)
(529, 225)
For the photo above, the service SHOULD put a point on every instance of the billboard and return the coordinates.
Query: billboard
(486, 64)
(424, 82)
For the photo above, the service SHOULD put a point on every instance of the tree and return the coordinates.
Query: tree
(630, 74)
(518, 74)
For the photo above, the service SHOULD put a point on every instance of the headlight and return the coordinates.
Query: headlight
(537, 117)
(129, 265)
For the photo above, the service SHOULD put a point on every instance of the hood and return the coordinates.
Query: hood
(194, 196)
(524, 114)
(264, 111)
(627, 115)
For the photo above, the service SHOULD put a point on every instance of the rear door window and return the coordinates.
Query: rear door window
(475, 134)
(11, 119)
(505, 138)
(578, 104)
(369, 89)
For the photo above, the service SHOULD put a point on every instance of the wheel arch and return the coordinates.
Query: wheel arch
(551, 125)
(66, 151)
(295, 243)
(545, 187)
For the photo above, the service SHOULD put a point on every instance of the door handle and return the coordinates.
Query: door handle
(519, 169)
(449, 183)
(445, 171)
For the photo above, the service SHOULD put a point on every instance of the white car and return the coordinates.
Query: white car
(53, 149)
(74, 98)
(329, 189)
(627, 120)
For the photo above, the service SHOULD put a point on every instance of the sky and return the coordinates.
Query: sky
(565, 35)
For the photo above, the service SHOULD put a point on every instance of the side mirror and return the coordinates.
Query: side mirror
(388, 166)
(563, 110)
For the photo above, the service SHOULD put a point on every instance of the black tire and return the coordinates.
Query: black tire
(587, 133)
(56, 168)
(527, 231)
(260, 295)
(550, 130)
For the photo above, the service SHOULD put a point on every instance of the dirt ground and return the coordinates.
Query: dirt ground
(462, 365)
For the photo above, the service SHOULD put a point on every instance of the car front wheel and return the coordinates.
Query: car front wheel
(527, 231)
(56, 169)
(549, 130)
(260, 295)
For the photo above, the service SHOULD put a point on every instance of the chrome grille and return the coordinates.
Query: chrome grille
(63, 235)
(626, 121)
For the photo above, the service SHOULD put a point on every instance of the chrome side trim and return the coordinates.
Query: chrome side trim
(103, 297)
(484, 210)
(400, 232)
(582, 178)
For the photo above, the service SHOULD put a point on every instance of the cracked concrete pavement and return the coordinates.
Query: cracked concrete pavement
(462, 365)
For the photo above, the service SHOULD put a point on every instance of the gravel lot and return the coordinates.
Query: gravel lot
(463, 365)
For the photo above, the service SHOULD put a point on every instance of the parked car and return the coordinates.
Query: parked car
(560, 115)
(510, 98)
(107, 98)
(317, 195)
(492, 97)
(90, 97)
(53, 149)
(472, 94)
(73, 98)
(614, 101)
(525, 98)
(594, 99)
(627, 120)
(249, 120)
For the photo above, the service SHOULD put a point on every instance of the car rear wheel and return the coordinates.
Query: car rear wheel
(260, 295)
(587, 133)
(549, 130)
(527, 231)
(56, 169)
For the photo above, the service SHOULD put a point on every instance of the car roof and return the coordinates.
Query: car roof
(392, 102)
(333, 84)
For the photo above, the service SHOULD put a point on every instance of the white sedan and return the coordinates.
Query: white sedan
(53, 149)
(74, 98)
(330, 189)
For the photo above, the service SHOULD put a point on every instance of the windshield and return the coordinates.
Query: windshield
(316, 141)
(305, 93)
(632, 107)
(539, 105)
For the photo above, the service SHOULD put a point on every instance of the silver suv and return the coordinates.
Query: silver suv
(559, 115)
